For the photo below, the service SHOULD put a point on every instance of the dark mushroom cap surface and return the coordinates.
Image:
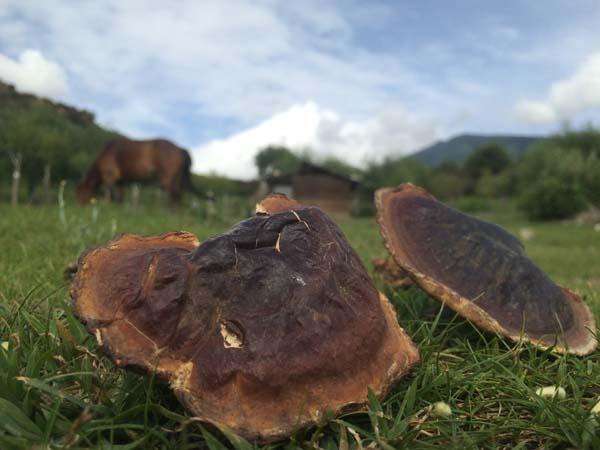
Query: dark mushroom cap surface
(262, 330)
(481, 271)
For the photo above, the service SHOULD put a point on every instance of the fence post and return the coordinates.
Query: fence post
(135, 195)
(17, 159)
(46, 181)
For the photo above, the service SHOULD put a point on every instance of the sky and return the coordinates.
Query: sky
(355, 80)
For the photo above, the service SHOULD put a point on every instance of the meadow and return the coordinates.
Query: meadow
(58, 391)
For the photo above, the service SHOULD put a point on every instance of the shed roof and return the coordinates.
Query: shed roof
(308, 168)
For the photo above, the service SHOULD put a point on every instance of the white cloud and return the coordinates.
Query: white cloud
(34, 74)
(535, 112)
(566, 98)
(234, 61)
(198, 71)
(323, 132)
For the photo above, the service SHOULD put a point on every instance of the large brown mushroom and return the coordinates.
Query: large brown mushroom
(267, 328)
(481, 271)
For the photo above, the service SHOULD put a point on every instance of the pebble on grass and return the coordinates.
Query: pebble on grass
(441, 409)
(551, 392)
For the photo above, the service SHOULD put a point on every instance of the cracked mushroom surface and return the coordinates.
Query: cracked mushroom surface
(481, 271)
(265, 329)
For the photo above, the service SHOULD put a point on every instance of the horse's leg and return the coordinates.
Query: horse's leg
(172, 186)
(174, 197)
(164, 187)
(110, 180)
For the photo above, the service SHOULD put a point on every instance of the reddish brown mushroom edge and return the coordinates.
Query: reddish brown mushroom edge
(268, 328)
(481, 271)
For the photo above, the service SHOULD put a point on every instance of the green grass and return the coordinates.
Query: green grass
(58, 391)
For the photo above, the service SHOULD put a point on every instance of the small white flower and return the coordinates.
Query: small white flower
(441, 409)
(551, 392)
(4, 345)
(526, 234)
(596, 409)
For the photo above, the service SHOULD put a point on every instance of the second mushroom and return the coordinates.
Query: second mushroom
(481, 271)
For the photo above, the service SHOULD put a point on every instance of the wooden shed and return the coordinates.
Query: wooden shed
(316, 186)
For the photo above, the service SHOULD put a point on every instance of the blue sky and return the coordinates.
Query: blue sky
(356, 80)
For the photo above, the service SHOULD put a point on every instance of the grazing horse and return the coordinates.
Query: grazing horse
(124, 160)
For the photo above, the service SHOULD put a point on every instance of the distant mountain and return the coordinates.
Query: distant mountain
(458, 148)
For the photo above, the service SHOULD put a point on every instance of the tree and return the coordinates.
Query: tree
(446, 185)
(38, 148)
(274, 160)
(491, 157)
(562, 172)
(450, 167)
(18, 144)
(393, 171)
(549, 198)
(499, 185)
(590, 179)
(586, 141)
(340, 167)
(447, 181)
(55, 141)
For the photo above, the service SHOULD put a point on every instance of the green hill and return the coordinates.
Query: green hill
(47, 135)
(458, 148)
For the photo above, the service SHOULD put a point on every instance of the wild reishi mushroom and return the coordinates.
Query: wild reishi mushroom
(264, 329)
(481, 271)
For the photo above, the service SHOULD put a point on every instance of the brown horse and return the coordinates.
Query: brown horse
(125, 160)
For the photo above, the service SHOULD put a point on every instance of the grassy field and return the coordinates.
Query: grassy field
(57, 391)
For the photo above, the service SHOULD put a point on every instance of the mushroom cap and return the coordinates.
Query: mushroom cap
(481, 271)
(276, 202)
(261, 330)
